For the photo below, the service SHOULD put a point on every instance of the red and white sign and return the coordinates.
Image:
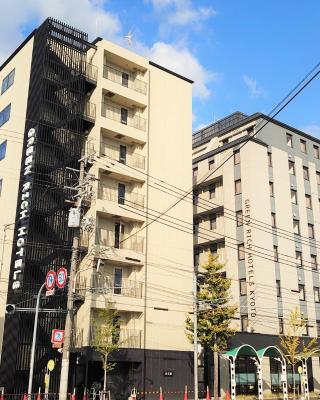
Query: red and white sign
(50, 280)
(61, 277)
(57, 336)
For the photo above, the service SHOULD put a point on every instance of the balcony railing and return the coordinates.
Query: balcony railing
(128, 242)
(124, 79)
(130, 199)
(65, 73)
(90, 111)
(113, 152)
(128, 338)
(91, 71)
(116, 113)
(126, 288)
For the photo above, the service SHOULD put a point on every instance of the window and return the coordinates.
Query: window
(292, 170)
(269, 159)
(196, 257)
(7, 81)
(278, 285)
(125, 79)
(123, 154)
(306, 328)
(308, 201)
(281, 327)
(118, 233)
(195, 171)
(303, 146)
(318, 177)
(117, 281)
(299, 259)
(243, 287)
(212, 191)
(1, 182)
(5, 115)
(244, 323)
(121, 193)
(316, 152)
(124, 116)
(241, 252)
(289, 140)
(275, 253)
(236, 157)
(271, 189)
(195, 197)
(211, 164)
(273, 220)
(213, 221)
(302, 292)
(296, 227)
(239, 218)
(318, 328)
(294, 198)
(3, 149)
(306, 173)
(195, 227)
(316, 294)
(237, 185)
(310, 231)
(214, 249)
(314, 264)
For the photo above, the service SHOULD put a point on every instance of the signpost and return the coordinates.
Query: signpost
(50, 280)
(61, 277)
(57, 336)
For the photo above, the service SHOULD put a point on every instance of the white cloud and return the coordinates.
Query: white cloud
(182, 61)
(252, 85)
(312, 129)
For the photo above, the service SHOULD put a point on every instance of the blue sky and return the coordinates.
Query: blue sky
(243, 55)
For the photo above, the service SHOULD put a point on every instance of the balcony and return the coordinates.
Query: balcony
(126, 242)
(124, 79)
(132, 199)
(65, 74)
(127, 287)
(89, 112)
(113, 152)
(128, 338)
(123, 116)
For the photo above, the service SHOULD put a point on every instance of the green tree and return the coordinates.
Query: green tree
(292, 344)
(215, 313)
(105, 339)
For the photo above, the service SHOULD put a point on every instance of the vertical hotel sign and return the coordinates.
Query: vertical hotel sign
(23, 212)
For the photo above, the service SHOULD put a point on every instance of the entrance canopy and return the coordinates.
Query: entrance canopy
(244, 350)
(270, 351)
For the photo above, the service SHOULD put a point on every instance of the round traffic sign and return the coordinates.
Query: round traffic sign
(61, 277)
(50, 365)
(50, 280)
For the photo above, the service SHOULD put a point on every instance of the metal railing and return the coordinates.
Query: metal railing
(91, 71)
(127, 288)
(112, 111)
(59, 71)
(89, 110)
(128, 242)
(131, 199)
(124, 79)
(132, 159)
(128, 338)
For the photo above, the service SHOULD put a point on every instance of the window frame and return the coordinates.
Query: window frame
(212, 190)
(275, 253)
(270, 159)
(293, 169)
(4, 88)
(316, 152)
(311, 226)
(297, 223)
(237, 184)
(278, 287)
(289, 140)
(241, 252)
(243, 288)
(236, 157)
(293, 191)
(271, 187)
(302, 291)
(239, 218)
(303, 146)
(213, 221)
(244, 323)
(211, 164)
(316, 294)
(300, 259)
(306, 175)
(314, 262)
(273, 220)
(281, 325)
(5, 113)
(3, 150)
(308, 201)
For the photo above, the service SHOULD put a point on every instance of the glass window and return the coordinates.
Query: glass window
(318, 328)
(275, 253)
(124, 116)
(281, 327)
(316, 293)
(269, 159)
(243, 287)
(296, 227)
(302, 292)
(273, 220)
(125, 79)
(117, 281)
(244, 323)
(195, 197)
(318, 177)
(123, 154)
(299, 258)
(236, 157)
(310, 231)
(5, 115)
(294, 197)
(241, 252)
(214, 249)
(213, 221)
(7, 81)
(211, 164)
(308, 201)
(303, 146)
(305, 332)
(195, 171)
(314, 264)
(237, 185)
(289, 140)
(121, 193)
(292, 170)
(212, 191)
(278, 288)
(306, 173)
(316, 152)
(271, 189)
(196, 257)
(3, 150)
(239, 218)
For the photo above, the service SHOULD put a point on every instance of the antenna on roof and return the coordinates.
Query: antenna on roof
(129, 37)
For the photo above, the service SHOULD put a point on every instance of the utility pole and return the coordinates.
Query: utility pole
(195, 334)
(68, 330)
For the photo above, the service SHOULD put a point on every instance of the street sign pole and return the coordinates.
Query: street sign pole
(34, 339)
